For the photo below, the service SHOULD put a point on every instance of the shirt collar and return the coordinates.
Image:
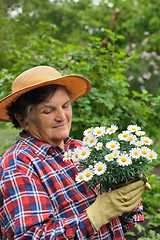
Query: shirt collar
(43, 148)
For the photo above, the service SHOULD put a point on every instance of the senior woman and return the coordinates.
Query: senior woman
(39, 197)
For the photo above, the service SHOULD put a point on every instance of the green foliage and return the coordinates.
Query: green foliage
(8, 135)
(152, 204)
(77, 20)
(68, 36)
(110, 99)
(152, 236)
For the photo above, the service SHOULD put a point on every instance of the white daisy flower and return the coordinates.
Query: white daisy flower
(145, 152)
(88, 131)
(135, 153)
(84, 153)
(85, 139)
(146, 141)
(133, 128)
(99, 168)
(140, 133)
(79, 177)
(67, 155)
(87, 174)
(75, 154)
(124, 135)
(99, 146)
(92, 141)
(109, 157)
(132, 138)
(115, 153)
(112, 129)
(152, 155)
(124, 160)
(99, 131)
(138, 143)
(112, 145)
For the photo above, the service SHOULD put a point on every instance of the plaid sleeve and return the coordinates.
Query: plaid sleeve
(26, 210)
(128, 220)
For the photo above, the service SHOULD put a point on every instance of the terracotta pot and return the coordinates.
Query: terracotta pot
(119, 185)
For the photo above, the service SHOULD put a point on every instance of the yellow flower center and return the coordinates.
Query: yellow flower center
(144, 152)
(89, 131)
(151, 155)
(92, 140)
(99, 131)
(68, 155)
(100, 168)
(134, 129)
(88, 174)
(115, 154)
(76, 155)
(113, 146)
(135, 153)
(111, 130)
(146, 141)
(99, 147)
(124, 159)
(139, 134)
(125, 135)
(131, 139)
(83, 153)
(109, 158)
(80, 177)
(139, 144)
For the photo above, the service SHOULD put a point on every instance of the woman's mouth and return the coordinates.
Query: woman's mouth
(60, 126)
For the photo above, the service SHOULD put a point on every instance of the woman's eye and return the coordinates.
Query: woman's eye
(66, 105)
(47, 111)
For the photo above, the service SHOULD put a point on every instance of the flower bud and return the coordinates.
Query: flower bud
(90, 167)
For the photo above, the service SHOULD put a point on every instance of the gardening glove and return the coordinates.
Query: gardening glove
(109, 205)
(147, 185)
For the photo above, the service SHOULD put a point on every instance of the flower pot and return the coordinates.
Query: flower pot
(119, 185)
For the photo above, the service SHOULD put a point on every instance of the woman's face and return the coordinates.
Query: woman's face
(50, 121)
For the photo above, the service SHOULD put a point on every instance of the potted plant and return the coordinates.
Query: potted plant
(108, 159)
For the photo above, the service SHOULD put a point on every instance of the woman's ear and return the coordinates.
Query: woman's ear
(21, 122)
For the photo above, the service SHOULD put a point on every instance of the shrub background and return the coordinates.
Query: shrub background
(115, 44)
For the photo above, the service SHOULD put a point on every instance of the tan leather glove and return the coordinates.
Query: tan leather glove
(109, 205)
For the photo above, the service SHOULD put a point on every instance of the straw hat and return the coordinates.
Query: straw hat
(41, 76)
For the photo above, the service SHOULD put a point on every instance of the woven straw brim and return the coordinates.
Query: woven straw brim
(77, 85)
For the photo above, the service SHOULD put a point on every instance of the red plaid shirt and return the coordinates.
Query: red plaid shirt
(39, 198)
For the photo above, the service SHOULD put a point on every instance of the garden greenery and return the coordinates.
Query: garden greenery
(111, 100)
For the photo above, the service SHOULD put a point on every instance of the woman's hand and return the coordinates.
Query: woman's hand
(109, 205)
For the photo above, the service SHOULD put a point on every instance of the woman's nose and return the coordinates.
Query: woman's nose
(60, 115)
